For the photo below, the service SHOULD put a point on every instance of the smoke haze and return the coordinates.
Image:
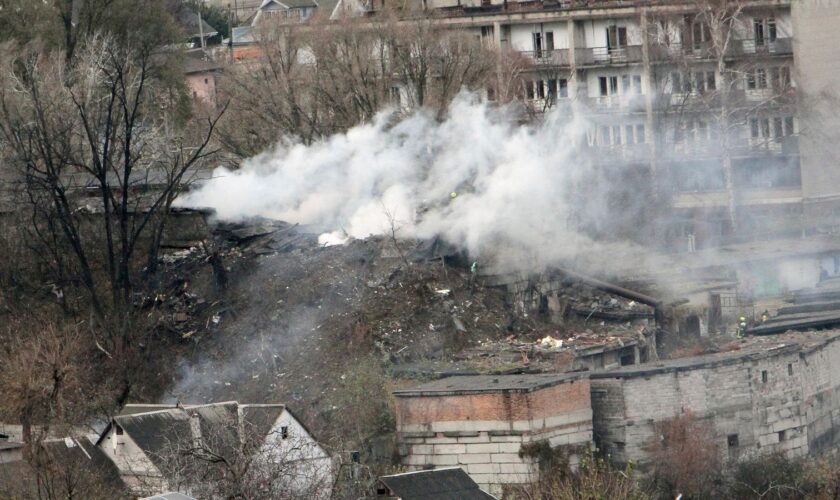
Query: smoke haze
(477, 179)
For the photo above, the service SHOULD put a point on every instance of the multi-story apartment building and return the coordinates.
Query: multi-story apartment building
(697, 107)
(696, 99)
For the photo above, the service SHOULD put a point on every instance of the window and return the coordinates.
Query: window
(552, 89)
(711, 84)
(616, 37)
(757, 79)
(781, 436)
(395, 96)
(119, 430)
(616, 135)
(732, 440)
(284, 432)
(764, 376)
(608, 85)
(628, 134)
(540, 89)
(789, 125)
(765, 31)
(563, 87)
(700, 34)
(529, 89)
(790, 369)
(640, 134)
(676, 82)
(761, 78)
(780, 77)
(549, 40)
(538, 44)
(631, 84)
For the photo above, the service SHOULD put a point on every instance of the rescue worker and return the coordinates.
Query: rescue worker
(742, 327)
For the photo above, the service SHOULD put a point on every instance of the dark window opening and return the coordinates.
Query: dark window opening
(284, 432)
(563, 87)
(764, 376)
(119, 430)
(781, 436)
(790, 369)
(732, 440)
(616, 37)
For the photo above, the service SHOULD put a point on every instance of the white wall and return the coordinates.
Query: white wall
(521, 35)
(595, 31)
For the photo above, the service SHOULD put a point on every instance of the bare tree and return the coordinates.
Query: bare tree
(715, 90)
(100, 161)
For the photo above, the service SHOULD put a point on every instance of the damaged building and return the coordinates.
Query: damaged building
(763, 395)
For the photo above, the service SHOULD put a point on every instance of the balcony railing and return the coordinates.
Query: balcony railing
(611, 153)
(556, 57)
(711, 148)
(594, 56)
(780, 46)
(628, 104)
(672, 51)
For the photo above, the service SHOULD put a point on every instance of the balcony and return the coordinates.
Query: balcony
(616, 103)
(746, 47)
(557, 57)
(784, 146)
(598, 56)
(621, 153)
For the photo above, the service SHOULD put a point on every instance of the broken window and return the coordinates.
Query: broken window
(732, 440)
(284, 432)
(552, 89)
(616, 37)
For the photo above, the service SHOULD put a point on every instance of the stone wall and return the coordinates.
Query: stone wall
(782, 398)
(484, 432)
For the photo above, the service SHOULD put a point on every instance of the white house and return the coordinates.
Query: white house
(160, 448)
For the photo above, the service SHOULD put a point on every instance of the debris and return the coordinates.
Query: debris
(550, 342)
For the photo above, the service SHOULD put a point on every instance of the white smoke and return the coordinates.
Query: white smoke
(477, 179)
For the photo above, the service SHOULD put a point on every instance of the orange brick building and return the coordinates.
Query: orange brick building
(481, 423)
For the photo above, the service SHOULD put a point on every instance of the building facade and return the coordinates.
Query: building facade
(484, 424)
(692, 101)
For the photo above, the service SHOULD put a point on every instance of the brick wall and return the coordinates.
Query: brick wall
(483, 433)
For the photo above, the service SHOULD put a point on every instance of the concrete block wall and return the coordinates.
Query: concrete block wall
(783, 399)
(484, 433)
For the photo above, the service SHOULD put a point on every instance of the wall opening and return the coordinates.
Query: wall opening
(764, 376)
(732, 440)
(781, 436)
(790, 369)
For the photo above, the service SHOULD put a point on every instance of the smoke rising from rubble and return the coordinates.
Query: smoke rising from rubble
(477, 179)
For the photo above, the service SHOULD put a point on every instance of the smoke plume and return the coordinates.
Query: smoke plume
(477, 179)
